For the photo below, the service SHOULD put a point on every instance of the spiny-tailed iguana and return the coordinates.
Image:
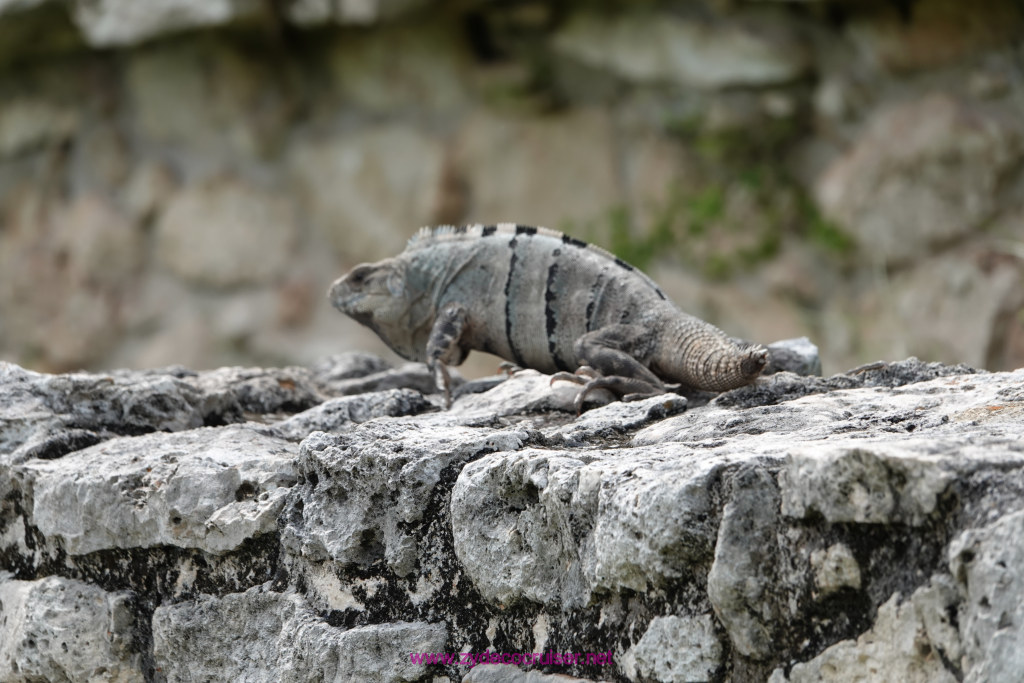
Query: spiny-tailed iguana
(541, 300)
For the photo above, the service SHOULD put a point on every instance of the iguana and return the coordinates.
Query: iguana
(541, 300)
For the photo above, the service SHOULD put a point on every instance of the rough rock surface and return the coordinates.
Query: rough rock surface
(333, 523)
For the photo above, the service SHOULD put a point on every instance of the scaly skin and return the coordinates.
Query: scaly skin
(541, 300)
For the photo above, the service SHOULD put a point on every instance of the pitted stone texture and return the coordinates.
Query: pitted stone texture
(552, 526)
(519, 540)
(835, 568)
(513, 517)
(263, 390)
(988, 564)
(747, 584)
(362, 489)
(677, 649)
(502, 673)
(211, 489)
(909, 427)
(617, 418)
(875, 485)
(58, 629)
(896, 648)
(46, 416)
(337, 414)
(263, 636)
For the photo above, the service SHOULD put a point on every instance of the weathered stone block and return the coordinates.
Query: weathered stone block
(267, 636)
(58, 629)
(252, 243)
(210, 488)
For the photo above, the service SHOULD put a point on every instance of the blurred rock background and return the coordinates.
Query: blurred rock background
(180, 180)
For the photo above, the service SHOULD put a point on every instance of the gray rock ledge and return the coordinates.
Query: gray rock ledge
(326, 523)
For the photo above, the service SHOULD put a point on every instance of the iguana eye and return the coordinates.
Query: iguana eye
(359, 275)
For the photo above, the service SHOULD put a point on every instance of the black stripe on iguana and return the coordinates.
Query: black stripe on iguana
(589, 293)
(593, 301)
(551, 316)
(623, 264)
(517, 356)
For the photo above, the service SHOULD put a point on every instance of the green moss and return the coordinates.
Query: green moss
(705, 207)
(822, 232)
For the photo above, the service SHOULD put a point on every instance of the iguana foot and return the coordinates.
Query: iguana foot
(583, 374)
(626, 388)
(510, 369)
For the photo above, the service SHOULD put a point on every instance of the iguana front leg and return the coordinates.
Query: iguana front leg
(443, 347)
(610, 359)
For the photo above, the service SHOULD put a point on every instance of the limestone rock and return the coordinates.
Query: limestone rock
(501, 673)
(261, 635)
(551, 171)
(111, 23)
(261, 391)
(871, 485)
(47, 416)
(252, 243)
(27, 123)
(896, 648)
(553, 526)
(351, 365)
(936, 33)
(368, 193)
(413, 376)
(678, 649)
(835, 568)
(747, 560)
(210, 488)
(799, 356)
(959, 155)
(647, 47)
(335, 415)
(987, 564)
(58, 629)
(817, 528)
(361, 490)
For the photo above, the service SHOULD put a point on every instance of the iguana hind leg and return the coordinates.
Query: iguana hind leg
(609, 358)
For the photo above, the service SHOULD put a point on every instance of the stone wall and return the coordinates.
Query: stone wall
(180, 180)
(326, 524)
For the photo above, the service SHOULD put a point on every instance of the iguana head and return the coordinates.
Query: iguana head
(376, 295)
